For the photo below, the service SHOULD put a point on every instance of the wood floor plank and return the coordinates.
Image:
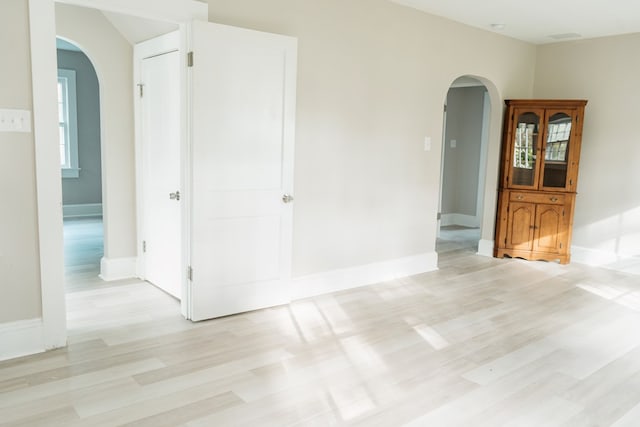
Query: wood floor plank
(479, 342)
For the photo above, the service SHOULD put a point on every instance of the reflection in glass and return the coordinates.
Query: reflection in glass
(557, 150)
(524, 151)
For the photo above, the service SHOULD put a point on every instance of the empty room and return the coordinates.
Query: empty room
(319, 212)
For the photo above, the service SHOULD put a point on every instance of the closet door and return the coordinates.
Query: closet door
(243, 96)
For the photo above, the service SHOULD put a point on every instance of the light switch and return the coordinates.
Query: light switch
(454, 143)
(427, 143)
(15, 120)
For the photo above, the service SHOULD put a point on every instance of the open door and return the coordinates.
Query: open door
(242, 86)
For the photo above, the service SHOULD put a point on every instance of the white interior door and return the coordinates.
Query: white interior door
(243, 103)
(160, 108)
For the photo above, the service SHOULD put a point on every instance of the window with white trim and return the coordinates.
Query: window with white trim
(68, 123)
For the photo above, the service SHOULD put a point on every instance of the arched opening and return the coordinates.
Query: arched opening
(470, 151)
(81, 163)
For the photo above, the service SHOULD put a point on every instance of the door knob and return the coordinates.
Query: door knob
(174, 196)
(287, 198)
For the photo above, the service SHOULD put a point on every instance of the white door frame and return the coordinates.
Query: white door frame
(42, 27)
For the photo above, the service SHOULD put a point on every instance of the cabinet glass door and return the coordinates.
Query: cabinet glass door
(525, 145)
(556, 151)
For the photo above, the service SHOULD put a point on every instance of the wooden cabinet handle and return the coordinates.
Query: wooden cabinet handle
(554, 199)
(519, 197)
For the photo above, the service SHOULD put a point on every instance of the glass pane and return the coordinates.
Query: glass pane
(524, 151)
(557, 151)
(61, 100)
(63, 147)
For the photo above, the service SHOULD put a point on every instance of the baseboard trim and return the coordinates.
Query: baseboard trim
(459, 219)
(82, 211)
(485, 247)
(117, 268)
(595, 257)
(21, 338)
(354, 277)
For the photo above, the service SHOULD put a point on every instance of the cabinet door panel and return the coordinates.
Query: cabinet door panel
(549, 228)
(525, 147)
(520, 226)
(557, 148)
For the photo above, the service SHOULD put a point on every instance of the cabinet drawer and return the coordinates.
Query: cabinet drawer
(553, 199)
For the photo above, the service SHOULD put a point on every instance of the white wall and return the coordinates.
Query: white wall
(19, 256)
(112, 56)
(372, 80)
(603, 71)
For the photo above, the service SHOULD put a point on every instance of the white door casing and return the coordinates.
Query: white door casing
(42, 32)
(242, 140)
(160, 152)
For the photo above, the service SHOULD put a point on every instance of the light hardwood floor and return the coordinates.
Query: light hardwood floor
(480, 342)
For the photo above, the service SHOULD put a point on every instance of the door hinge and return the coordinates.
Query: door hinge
(189, 273)
(445, 108)
(190, 59)
(141, 89)
(144, 246)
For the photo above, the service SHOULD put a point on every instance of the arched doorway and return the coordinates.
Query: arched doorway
(81, 162)
(467, 181)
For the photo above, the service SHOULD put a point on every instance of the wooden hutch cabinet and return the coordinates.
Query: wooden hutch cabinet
(539, 177)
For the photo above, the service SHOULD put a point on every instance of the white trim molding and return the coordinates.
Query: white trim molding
(21, 338)
(353, 277)
(82, 211)
(606, 259)
(44, 71)
(459, 219)
(485, 247)
(118, 268)
(593, 257)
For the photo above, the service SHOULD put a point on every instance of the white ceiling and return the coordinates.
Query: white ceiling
(540, 21)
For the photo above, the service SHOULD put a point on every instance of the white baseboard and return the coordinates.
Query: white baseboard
(594, 257)
(118, 268)
(21, 338)
(605, 259)
(353, 277)
(459, 219)
(82, 211)
(485, 247)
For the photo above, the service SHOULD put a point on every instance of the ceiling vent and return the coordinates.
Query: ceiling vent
(566, 36)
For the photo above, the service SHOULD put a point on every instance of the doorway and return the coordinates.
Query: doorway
(463, 167)
(80, 160)
(42, 27)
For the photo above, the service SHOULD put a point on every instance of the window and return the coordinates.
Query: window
(68, 123)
